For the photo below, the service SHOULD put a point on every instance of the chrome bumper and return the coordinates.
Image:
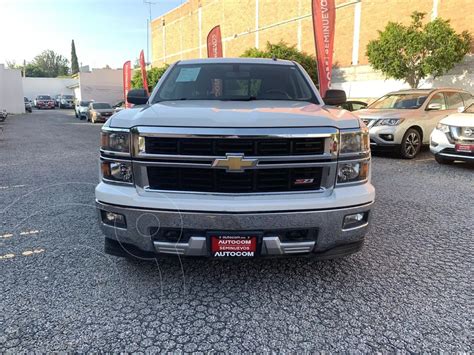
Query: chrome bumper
(141, 222)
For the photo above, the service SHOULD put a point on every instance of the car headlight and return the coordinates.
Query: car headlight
(354, 142)
(443, 128)
(117, 171)
(390, 122)
(352, 171)
(115, 141)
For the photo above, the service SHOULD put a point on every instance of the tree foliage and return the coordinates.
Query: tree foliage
(281, 50)
(74, 61)
(153, 75)
(48, 64)
(413, 52)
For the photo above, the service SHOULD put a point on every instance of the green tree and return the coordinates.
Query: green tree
(281, 50)
(413, 52)
(152, 75)
(47, 64)
(74, 61)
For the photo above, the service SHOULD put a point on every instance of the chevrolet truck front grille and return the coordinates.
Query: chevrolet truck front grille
(202, 160)
(213, 180)
(220, 147)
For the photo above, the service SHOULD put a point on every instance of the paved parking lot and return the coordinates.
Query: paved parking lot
(410, 288)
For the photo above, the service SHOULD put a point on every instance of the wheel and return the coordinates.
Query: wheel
(411, 144)
(442, 160)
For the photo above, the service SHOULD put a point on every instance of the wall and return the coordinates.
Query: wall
(33, 87)
(11, 90)
(362, 82)
(181, 33)
(102, 85)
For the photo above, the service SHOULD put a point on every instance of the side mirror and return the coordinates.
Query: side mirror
(461, 109)
(137, 96)
(434, 106)
(335, 97)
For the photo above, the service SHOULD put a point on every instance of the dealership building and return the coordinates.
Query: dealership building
(182, 33)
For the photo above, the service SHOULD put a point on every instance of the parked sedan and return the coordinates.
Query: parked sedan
(44, 101)
(3, 115)
(402, 121)
(81, 109)
(28, 106)
(453, 138)
(99, 112)
(66, 101)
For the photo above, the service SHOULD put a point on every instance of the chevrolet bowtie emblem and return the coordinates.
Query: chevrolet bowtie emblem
(235, 163)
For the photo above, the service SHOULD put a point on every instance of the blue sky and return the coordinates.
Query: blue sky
(104, 31)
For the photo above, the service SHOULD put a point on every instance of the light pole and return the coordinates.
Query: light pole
(149, 3)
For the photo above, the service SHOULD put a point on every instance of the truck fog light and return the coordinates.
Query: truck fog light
(113, 219)
(355, 220)
(352, 171)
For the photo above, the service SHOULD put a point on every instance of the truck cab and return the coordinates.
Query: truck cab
(234, 158)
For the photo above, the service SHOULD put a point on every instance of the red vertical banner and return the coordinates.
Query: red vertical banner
(324, 25)
(127, 81)
(143, 70)
(214, 43)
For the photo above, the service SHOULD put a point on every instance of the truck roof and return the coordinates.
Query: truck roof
(237, 61)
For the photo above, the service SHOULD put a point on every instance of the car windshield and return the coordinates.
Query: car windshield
(101, 105)
(399, 101)
(84, 103)
(470, 109)
(44, 97)
(68, 97)
(235, 81)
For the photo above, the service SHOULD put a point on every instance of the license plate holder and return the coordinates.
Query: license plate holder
(464, 148)
(234, 244)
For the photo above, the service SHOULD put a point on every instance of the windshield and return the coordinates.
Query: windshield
(234, 81)
(44, 97)
(84, 103)
(100, 105)
(68, 97)
(470, 109)
(399, 101)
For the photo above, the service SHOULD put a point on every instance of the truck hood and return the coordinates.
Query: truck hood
(382, 113)
(459, 120)
(234, 114)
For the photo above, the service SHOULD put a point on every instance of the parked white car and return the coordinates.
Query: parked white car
(453, 137)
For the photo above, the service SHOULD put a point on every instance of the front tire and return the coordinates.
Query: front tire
(442, 160)
(411, 144)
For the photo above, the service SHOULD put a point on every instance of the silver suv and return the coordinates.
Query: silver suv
(402, 121)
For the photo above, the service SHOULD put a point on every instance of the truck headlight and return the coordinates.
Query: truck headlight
(116, 171)
(443, 128)
(390, 122)
(354, 142)
(115, 141)
(352, 171)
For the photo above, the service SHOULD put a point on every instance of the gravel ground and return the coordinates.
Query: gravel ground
(410, 288)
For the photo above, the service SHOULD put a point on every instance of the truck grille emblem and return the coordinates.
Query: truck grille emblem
(235, 163)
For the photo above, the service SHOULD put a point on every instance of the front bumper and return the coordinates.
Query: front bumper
(143, 227)
(441, 146)
(385, 138)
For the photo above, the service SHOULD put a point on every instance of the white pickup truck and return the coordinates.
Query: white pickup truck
(234, 158)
